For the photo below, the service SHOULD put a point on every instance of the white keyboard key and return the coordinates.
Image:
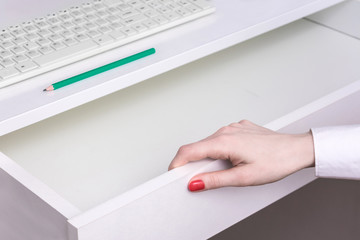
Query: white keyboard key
(104, 39)
(93, 34)
(129, 13)
(44, 33)
(82, 37)
(65, 53)
(183, 12)
(20, 58)
(5, 36)
(31, 29)
(19, 40)
(90, 26)
(70, 41)
(7, 62)
(43, 42)
(57, 45)
(8, 72)
(26, 66)
(102, 14)
(18, 50)
(161, 20)
(7, 45)
(194, 9)
(101, 22)
(31, 45)
(151, 13)
(150, 23)
(55, 37)
(32, 36)
(33, 53)
(117, 34)
(42, 25)
(18, 32)
(163, 9)
(183, 3)
(68, 25)
(67, 34)
(45, 49)
(172, 16)
(5, 53)
(139, 27)
(56, 29)
(116, 26)
(129, 31)
(105, 29)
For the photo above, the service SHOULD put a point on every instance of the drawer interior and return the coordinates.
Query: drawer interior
(106, 147)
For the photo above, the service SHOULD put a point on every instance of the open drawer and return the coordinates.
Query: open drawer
(99, 171)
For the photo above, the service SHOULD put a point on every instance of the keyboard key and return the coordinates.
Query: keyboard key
(45, 49)
(31, 45)
(43, 42)
(70, 41)
(7, 45)
(20, 58)
(7, 62)
(150, 23)
(117, 34)
(18, 50)
(57, 45)
(32, 36)
(161, 19)
(8, 72)
(19, 40)
(82, 37)
(139, 27)
(5, 54)
(104, 39)
(33, 53)
(26, 66)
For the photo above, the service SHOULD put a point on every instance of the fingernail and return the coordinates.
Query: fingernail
(196, 185)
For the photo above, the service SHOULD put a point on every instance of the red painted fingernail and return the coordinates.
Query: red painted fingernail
(196, 185)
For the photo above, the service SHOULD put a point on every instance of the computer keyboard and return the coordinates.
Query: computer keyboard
(79, 32)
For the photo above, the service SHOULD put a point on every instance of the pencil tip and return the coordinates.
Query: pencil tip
(44, 90)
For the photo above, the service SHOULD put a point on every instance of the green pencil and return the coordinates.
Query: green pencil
(99, 70)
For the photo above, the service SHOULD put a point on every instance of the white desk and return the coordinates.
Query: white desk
(108, 178)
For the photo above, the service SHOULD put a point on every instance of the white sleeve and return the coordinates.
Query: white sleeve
(337, 151)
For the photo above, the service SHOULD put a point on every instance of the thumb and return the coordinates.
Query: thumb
(213, 180)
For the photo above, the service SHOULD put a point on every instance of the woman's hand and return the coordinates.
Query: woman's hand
(258, 156)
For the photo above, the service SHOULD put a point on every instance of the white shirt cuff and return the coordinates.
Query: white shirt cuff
(337, 151)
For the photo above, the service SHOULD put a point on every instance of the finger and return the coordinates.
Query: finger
(237, 176)
(210, 148)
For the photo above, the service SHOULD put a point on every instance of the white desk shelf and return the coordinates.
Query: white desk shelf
(99, 171)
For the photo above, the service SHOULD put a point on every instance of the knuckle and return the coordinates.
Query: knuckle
(234, 124)
(244, 122)
(184, 149)
(225, 129)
